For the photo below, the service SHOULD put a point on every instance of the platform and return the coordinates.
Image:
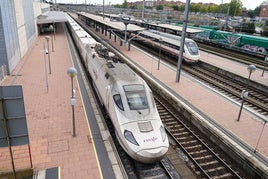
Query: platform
(49, 116)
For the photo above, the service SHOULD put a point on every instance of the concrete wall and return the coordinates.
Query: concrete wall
(9, 44)
(27, 12)
(18, 29)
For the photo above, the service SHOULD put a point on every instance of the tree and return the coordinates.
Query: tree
(125, 4)
(175, 7)
(159, 7)
(195, 7)
(223, 8)
(235, 7)
(213, 9)
(257, 11)
(251, 13)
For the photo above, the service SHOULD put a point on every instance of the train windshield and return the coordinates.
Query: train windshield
(136, 97)
(192, 48)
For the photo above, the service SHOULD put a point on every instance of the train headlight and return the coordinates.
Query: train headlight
(163, 133)
(129, 136)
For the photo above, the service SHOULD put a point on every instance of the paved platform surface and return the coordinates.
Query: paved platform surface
(49, 115)
(221, 110)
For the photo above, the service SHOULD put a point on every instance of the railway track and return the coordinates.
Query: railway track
(206, 160)
(256, 100)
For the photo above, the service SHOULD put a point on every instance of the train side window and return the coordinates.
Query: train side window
(118, 101)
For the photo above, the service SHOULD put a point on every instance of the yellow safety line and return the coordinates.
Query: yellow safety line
(99, 167)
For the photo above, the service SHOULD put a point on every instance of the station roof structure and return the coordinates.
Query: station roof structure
(176, 28)
(51, 17)
(118, 25)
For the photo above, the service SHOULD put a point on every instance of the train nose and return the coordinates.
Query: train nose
(151, 155)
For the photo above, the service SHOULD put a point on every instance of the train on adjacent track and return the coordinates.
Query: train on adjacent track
(237, 41)
(170, 44)
(126, 97)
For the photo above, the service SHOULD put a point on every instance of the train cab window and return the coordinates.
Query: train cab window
(192, 47)
(136, 97)
(118, 101)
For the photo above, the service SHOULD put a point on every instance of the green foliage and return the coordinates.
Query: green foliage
(223, 8)
(265, 29)
(251, 13)
(124, 5)
(159, 7)
(257, 11)
(235, 8)
(175, 7)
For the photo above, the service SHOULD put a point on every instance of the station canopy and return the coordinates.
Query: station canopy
(51, 17)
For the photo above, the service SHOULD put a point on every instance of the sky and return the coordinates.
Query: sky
(249, 4)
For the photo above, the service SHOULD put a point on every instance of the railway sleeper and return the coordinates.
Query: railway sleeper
(179, 131)
(170, 119)
(165, 116)
(193, 147)
(176, 126)
(199, 152)
(208, 165)
(218, 171)
(170, 123)
(185, 141)
(226, 175)
(203, 159)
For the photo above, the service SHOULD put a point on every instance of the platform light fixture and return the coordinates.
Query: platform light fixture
(265, 64)
(159, 53)
(126, 21)
(244, 94)
(51, 27)
(72, 72)
(48, 52)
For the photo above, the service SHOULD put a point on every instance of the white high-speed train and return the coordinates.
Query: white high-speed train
(170, 44)
(127, 98)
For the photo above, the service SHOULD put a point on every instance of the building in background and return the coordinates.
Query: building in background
(264, 11)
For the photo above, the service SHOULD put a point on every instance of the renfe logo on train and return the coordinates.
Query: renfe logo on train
(153, 139)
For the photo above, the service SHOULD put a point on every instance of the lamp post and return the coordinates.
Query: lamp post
(51, 27)
(265, 63)
(48, 52)
(260, 136)
(45, 52)
(186, 13)
(159, 53)
(126, 22)
(72, 72)
(244, 94)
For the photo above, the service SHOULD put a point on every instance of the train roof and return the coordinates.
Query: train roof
(120, 72)
(82, 34)
(89, 41)
(113, 69)
(173, 39)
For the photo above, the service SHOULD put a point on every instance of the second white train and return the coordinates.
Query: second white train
(170, 44)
